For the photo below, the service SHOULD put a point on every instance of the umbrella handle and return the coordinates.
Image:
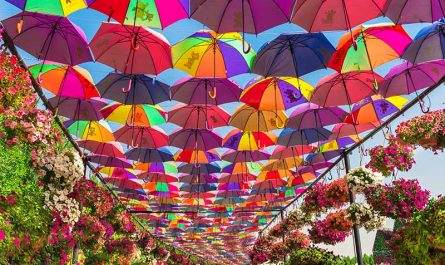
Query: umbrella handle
(134, 44)
(197, 165)
(19, 26)
(212, 95)
(354, 44)
(110, 15)
(39, 78)
(127, 89)
(277, 123)
(244, 47)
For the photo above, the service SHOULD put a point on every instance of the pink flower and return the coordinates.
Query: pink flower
(2, 235)
(16, 242)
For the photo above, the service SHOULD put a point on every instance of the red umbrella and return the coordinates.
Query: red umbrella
(124, 183)
(131, 49)
(112, 149)
(239, 177)
(136, 136)
(198, 117)
(282, 152)
(195, 139)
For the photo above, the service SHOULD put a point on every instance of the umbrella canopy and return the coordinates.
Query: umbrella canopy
(239, 177)
(291, 137)
(55, 7)
(148, 155)
(338, 143)
(286, 163)
(167, 167)
(148, 13)
(108, 161)
(78, 109)
(202, 91)
(248, 141)
(198, 179)
(195, 139)
(368, 47)
(248, 118)
(157, 177)
(322, 15)
(406, 78)
(64, 80)
(282, 152)
(90, 130)
(196, 156)
(277, 93)
(410, 11)
(139, 136)
(131, 49)
(345, 89)
(427, 44)
(116, 172)
(208, 54)
(313, 116)
(198, 117)
(125, 183)
(133, 89)
(234, 156)
(342, 130)
(198, 187)
(134, 115)
(64, 42)
(198, 169)
(293, 55)
(113, 149)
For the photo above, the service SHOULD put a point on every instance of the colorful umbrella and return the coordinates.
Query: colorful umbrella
(64, 42)
(322, 15)
(283, 152)
(242, 168)
(157, 177)
(427, 44)
(286, 163)
(211, 55)
(406, 78)
(137, 136)
(148, 155)
(293, 55)
(300, 179)
(113, 149)
(342, 130)
(198, 169)
(198, 187)
(248, 118)
(290, 137)
(317, 158)
(90, 130)
(195, 139)
(277, 93)
(108, 161)
(134, 115)
(122, 183)
(54, 7)
(248, 141)
(198, 179)
(196, 156)
(239, 177)
(116, 172)
(409, 11)
(167, 167)
(338, 143)
(198, 117)
(133, 89)
(131, 49)
(64, 80)
(345, 89)
(78, 109)
(313, 116)
(148, 13)
(235, 156)
(368, 47)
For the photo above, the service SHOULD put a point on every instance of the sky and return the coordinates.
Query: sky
(427, 168)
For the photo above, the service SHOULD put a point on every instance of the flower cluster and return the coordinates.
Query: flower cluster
(399, 200)
(278, 230)
(394, 156)
(260, 252)
(298, 218)
(296, 239)
(161, 253)
(322, 197)
(121, 245)
(337, 193)
(361, 178)
(363, 215)
(90, 230)
(331, 230)
(178, 259)
(90, 195)
(427, 130)
(146, 242)
(278, 251)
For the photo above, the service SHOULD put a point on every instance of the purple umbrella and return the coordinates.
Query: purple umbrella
(198, 169)
(78, 109)
(195, 139)
(414, 11)
(428, 44)
(234, 156)
(49, 37)
(201, 178)
(406, 78)
(133, 89)
(148, 155)
(314, 158)
(198, 187)
(291, 137)
(108, 161)
(314, 116)
(196, 91)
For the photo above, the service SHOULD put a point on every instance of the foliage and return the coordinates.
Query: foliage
(313, 256)
(360, 178)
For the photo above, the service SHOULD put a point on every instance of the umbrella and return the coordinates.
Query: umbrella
(131, 49)
(282, 152)
(148, 13)
(374, 109)
(90, 130)
(248, 118)
(167, 167)
(316, 158)
(209, 54)
(239, 177)
(406, 78)
(342, 130)
(108, 161)
(291, 137)
(368, 47)
(293, 55)
(196, 156)
(427, 44)
(248, 141)
(198, 117)
(195, 139)
(161, 189)
(78, 109)
(64, 80)
(242, 168)
(49, 37)
(233, 186)
(322, 15)
(133, 89)
(116, 172)
(148, 155)
(313, 116)
(113, 149)
(200, 91)
(157, 177)
(198, 187)
(139, 136)
(198, 169)
(286, 163)
(134, 115)
(125, 183)
(277, 93)
(300, 179)
(57, 7)
(235, 156)
(409, 11)
(345, 89)
(338, 143)
(198, 179)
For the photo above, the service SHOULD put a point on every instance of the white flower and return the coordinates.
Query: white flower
(360, 178)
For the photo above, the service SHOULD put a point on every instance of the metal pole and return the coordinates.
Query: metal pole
(355, 231)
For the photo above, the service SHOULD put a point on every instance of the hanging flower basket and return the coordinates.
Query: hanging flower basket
(332, 230)
(363, 215)
(360, 178)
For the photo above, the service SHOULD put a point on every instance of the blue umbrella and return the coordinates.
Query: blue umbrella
(293, 55)
(199, 169)
(148, 155)
(291, 137)
(429, 44)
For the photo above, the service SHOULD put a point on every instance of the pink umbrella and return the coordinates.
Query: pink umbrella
(314, 116)
(195, 139)
(346, 129)
(131, 49)
(138, 136)
(198, 117)
(113, 149)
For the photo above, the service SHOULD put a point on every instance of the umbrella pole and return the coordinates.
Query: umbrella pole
(355, 231)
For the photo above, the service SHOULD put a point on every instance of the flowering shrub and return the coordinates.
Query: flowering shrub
(331, 230)
(363, 215)
(278, 251)
(394, 156)
(260, 252)
(161, 253)
(321, 197)
(360, 178)
(278, 230)
(400, 200)
(298, 218)
(337, 193)
(90, 231)
(178, 259)
(313, 256)
(296, 239)
(427, 130)
(90, 195)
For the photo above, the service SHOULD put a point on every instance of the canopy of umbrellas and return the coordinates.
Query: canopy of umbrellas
(221, 174)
